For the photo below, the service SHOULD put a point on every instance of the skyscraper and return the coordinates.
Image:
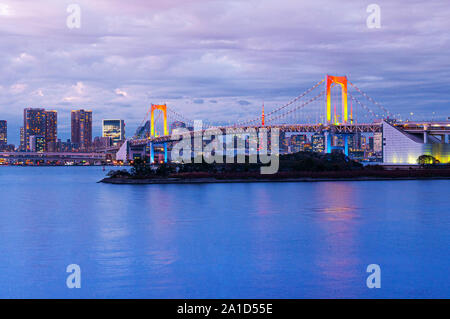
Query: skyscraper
(81, 126)
(39, 122)
(34, 123)
(51, 132)
(114, 129)
(22, 146)
(3, 132)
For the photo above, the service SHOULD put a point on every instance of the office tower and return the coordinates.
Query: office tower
(3, 132)
(114, 129)
(81, 128)
(34, 123)
(51, 131)
(318, 143)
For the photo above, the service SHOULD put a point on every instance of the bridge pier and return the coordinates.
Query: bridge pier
(346, 144)
(328, 138)
(165, 152)
(152, 153)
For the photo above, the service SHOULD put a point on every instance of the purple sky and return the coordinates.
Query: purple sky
(216, 59)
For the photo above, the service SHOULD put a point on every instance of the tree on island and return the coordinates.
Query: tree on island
(427, 159)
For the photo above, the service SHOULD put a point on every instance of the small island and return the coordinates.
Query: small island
(297, 167)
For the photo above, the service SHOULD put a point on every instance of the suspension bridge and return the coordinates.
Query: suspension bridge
(333, 106)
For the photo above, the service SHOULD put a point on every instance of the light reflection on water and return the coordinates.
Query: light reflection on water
(263, 240)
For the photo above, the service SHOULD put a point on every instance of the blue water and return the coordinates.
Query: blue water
(262, 240)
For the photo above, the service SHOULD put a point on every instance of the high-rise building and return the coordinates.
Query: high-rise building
(114, 129)
(81, 128)
(34, 123)
(51, 131)
(3, 132)
(318, 143)
(22, 146)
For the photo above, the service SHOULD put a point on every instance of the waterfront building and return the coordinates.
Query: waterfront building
(115, 129)
(318, 143)
(3, 132)
(81, 128)
(34, 123)
(400, 147)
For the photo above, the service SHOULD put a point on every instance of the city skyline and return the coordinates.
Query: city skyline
(208, 58)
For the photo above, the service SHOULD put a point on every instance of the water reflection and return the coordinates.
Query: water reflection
(264, 240)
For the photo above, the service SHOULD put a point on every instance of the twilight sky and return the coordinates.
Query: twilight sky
(216, 59)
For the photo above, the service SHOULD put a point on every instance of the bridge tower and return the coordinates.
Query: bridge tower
(332, 118)
(162, 108)
(262, 116)
(342, 81)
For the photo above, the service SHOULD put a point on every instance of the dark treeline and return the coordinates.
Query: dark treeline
(297, 162)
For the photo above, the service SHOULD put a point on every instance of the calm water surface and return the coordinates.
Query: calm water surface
(262, 240)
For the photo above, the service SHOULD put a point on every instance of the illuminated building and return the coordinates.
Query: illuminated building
(3, 132)
(51, 130)
(307, 147)
(318, 143)
(22, 146)
(34, 123)
(81, 128)
(37, 143)
(400, 147)
(296, 142)
(114, 129)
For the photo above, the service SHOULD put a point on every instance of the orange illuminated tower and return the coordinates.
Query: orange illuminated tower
(262, 117)
(342, 81)
(162, 108)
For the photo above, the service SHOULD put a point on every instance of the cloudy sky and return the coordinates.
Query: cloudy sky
(216, 59)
